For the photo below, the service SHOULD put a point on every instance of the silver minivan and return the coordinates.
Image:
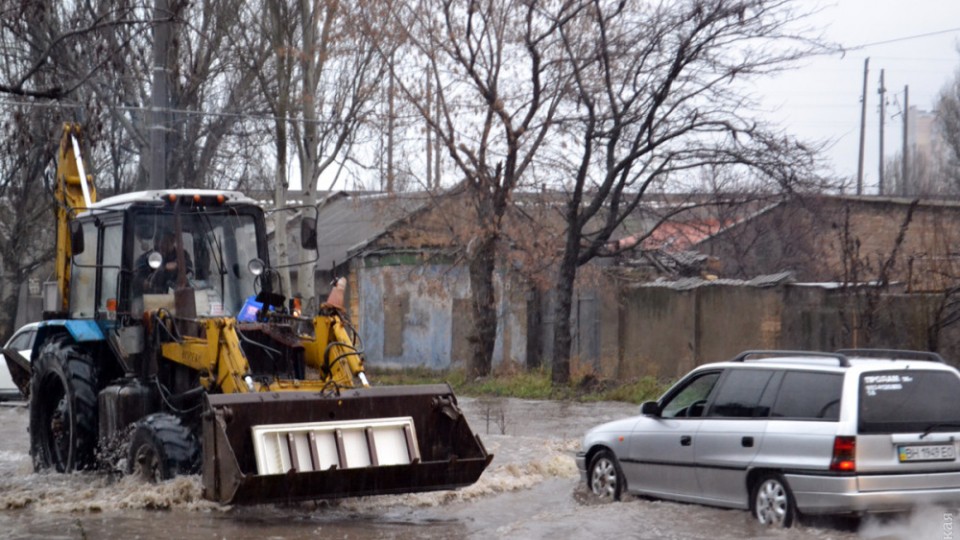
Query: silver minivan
(785, 432)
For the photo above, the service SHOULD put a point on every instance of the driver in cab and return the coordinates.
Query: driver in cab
(163, 278)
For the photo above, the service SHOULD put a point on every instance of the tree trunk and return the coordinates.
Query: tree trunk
(484, 308)
(562, 338)
(9, 303)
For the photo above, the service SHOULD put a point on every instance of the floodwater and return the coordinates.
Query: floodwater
(531, 490)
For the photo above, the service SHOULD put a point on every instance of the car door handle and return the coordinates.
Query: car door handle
(746, 442)
(685, 440)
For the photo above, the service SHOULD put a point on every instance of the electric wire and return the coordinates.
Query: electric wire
(902, 38)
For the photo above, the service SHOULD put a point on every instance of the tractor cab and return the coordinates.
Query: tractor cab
(192, 254)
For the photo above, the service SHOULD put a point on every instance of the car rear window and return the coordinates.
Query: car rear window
(21, 341)
(807, 395)
(907, 401)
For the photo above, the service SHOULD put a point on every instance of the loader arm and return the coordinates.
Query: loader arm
(333, 351)
(217, 356)
(74, 191)
(224, 368)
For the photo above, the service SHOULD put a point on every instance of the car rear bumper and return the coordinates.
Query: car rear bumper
(875, 493)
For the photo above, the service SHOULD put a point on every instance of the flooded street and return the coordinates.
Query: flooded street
(531, 490)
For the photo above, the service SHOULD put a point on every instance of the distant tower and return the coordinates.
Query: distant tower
(926, 148)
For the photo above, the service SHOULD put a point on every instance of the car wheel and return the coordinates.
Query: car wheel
(772, 501)
(161, 448)
(63, 408)
(605, 479)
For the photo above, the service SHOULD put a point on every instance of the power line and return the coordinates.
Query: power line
(134, 108)
(904, 38)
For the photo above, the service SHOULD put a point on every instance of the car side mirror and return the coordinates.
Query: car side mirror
(308, 233)
(76, 238)
(650, 408)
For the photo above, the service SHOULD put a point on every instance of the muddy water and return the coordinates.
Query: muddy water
(531, 490)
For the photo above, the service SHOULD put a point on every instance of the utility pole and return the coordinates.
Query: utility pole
(159, 97)
(436, 141)
(881, 91)
(905, 175)
(390, 126)
(863, 126)
(429, 132)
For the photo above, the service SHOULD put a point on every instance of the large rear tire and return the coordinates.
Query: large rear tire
(162, 447)
(63, 408)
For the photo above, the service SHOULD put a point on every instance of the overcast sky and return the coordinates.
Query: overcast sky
(821, 100)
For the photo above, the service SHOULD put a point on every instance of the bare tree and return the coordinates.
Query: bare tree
(87, 62)
(866, 277)
(496, 77)
(29, 136)
(948, 123)
(338, 72)
(656, 89)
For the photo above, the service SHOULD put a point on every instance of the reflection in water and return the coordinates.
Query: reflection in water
(531, 490)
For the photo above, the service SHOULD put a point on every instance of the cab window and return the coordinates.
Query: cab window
(110, 268)
(23, 340)
(84, 274)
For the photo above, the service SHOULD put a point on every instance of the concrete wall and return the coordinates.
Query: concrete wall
(732, 318)
(658, 332)
(666, 332)
(413, 315)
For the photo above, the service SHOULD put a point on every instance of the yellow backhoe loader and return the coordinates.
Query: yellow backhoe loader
(170, 338)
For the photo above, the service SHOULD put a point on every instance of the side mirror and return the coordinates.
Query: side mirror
(650, 408)
(308, 233)
(76, 238)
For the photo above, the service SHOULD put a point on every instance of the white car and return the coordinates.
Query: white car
(18, 347)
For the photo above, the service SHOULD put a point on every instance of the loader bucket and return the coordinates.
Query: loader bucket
(290, 446)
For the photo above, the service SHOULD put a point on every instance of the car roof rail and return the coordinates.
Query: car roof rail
(773, 354)
(894, 354)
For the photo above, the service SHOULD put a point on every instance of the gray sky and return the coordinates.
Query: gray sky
(821, 99)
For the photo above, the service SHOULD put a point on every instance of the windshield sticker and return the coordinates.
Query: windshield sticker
(884, 383)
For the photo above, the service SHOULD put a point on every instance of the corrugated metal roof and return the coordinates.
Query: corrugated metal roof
(686, 284)
(347, 223)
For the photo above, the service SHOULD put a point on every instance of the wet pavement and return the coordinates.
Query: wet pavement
(531, 490)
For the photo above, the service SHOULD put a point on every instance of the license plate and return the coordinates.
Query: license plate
(927, 452)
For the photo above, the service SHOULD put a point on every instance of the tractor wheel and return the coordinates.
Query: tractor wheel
(161, 448)
(63, 408)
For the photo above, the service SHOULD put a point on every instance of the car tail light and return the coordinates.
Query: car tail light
(844, 454)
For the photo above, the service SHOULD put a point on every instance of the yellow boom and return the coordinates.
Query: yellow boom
(72, 194)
